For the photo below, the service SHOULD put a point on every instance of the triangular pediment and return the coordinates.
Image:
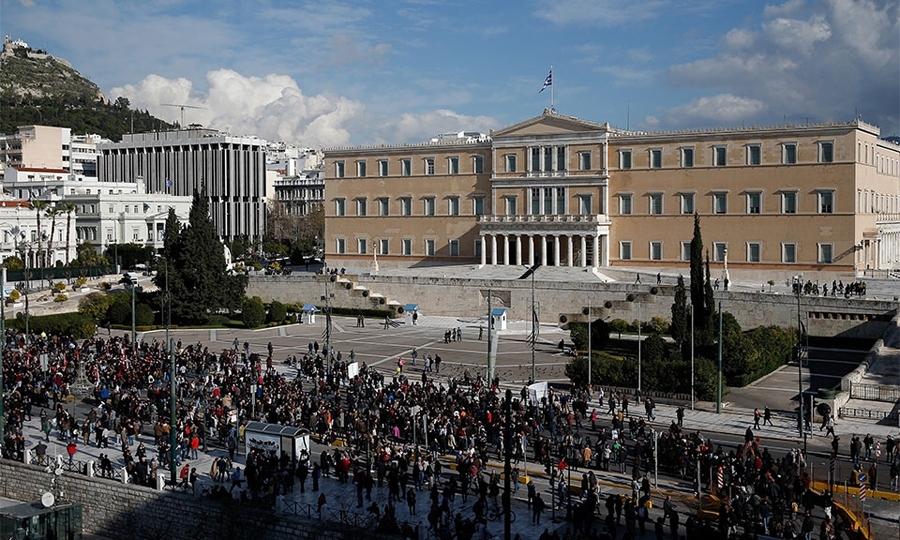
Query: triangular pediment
(549, 123)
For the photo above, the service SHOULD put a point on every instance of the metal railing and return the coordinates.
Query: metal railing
(875, 392)
(855, 412)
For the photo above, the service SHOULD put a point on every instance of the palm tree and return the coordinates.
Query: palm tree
(52, 212)
(68, 208)
(38, 206)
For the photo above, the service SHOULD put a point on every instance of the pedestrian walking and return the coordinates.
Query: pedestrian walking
(756, 418)
(767, 417)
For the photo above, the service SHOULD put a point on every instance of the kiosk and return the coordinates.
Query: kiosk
(411, 313)
(498, 318)
(275, 439)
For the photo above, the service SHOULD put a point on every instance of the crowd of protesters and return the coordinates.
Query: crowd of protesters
(394, 428)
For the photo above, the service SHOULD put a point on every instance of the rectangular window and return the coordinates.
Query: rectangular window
(341, 246)
(625, 205)
(720, 250)
(453, 165)
(789, 153)
(535, 159)
(789, 253)
(656, 203)
(754, 203)
(720, 203)
(584, 161)
(429, 206)
(535, 201)
(340, 207)
(361, 207)
(625, 251)
(753, 250)
(789, 202)
(511, 209)
(383, 247)
(656, 158)
(510, 163)
(478, 165)
(548, 200)
(720, 155)
(548, 158)
(561, 160)
(405, 167)
(478, 206)
(655, 251)
(382, 167)
(687, 203)
(685, 251)
(383, 206)
(687, 157)
(429, 166)
(825, 253)
(584, 205)
(624, 159)
(560, 200)
(454, 248)
(361, 244)
(826, 152)
(405, 206)
(338, 169)
(453, 206)
(406, 246)
(429, 247)
(754, 154)
(826, 202)
(361, 169)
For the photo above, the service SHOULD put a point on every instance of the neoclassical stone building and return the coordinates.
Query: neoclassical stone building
(563, 191)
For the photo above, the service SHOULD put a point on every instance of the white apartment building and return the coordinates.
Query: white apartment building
(20, 235)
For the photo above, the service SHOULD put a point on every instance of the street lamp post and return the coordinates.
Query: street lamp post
(719, 386)
(640, 316)
(2, 344)
(797, 280)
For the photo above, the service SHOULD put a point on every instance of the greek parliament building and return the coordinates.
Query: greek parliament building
(177, 162)
(558, 190)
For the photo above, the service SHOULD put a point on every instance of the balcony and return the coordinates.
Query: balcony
(544, 224)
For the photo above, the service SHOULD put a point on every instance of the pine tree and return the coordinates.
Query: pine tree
(195, 262)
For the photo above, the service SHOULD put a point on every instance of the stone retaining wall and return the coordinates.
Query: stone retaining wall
(125, 512)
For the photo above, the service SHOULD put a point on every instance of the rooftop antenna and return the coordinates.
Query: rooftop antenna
(182, 107)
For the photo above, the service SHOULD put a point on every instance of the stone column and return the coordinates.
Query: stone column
(583, 250)
(518, 250)
(596, 258)
(483, 251)
(571, 250)
(494, 249)
(555, 250)
(543, 250)
(605, 250)
(530, 250)
(505, 249)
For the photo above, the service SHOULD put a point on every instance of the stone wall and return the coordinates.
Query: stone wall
(125, 512)
(459, 297)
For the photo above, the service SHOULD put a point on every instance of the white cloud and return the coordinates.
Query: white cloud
(722, 109)
(780, 10)
(820, 60)
(598, 12)
(275, 108)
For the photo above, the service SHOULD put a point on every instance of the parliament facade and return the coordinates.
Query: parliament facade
(561, 191)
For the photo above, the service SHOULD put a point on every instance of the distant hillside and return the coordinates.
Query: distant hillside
(36, 88)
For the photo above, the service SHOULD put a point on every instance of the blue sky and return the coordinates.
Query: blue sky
(343, 72)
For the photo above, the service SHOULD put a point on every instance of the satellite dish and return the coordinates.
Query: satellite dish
(47, 499)
(58, 471)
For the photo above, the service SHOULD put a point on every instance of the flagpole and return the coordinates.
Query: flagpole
(551, 87)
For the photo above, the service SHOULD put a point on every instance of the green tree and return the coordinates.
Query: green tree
(13, 263)
(599, 335)
(131, 254)
(680, 328)
(194, 269)
(709, 329)
(119, 311)
(618, 326)
(143, 315)
(94, 306)
(277, 312)
(253, 312)
(697, 298)
(86, 255)
(738, 353)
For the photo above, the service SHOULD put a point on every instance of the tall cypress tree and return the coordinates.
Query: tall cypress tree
(697, 274)
(680, 316)
(709, 307)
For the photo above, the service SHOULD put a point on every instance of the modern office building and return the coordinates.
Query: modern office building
(559, 190)
(233, 169)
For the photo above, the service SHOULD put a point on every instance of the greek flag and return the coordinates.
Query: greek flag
(168, 182)
(548, 81)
